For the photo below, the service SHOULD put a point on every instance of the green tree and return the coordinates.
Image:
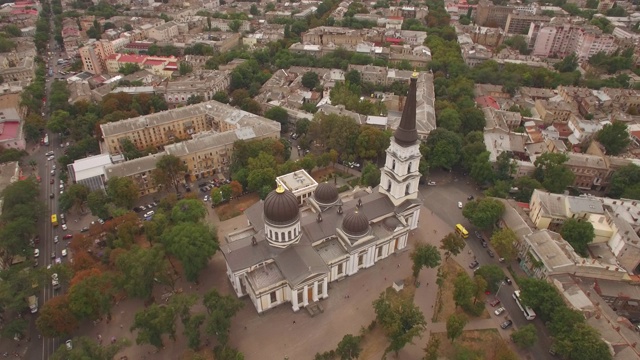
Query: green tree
(431, 351)
(91, 297)
(188, 210)
(482, 169)
(227, 353)
(13, 30)
(493, 274)
(221, 96)
(401, 321)
(122, 191)
(552, 173)
(129, 150)
(625, 182)
(152, 323)
(370, 175)
(129, 68)
(541, 296)
(349, 347)
(193, 245)
(195, 99)
(424, 255)
(97, 203)
(463, 289)
(227, 191)
(310, 80)
(505, 167)
(568, 64)
(579, 234)
(582, 343)
(59, 121)
(483, 213)
(280, 115)
(185, 68)
(525, 337)
(254, 10)
(76, 195)
(353, 77)
(525, 185)
(614, 137)
(504, 241)
(455, 326)
(169, 171)
(220, 310)
(449, 119)
(452, 244)
(192, 326)
(139, 267)
(444, 149)
(216, 196)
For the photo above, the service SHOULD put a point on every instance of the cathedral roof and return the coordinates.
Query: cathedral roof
(326, 194)
(355, 223)
(406, 133)
(281, 207)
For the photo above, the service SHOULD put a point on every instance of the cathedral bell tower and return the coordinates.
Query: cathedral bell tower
(400, 176)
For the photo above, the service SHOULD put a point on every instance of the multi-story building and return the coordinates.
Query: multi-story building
(14, 67)
(94, 56)
(164, 32)
(158, 65)
(488, 14)
(139, 170)
(223, 25)
(562, 39)
(519, 23)
(553, 111)
(210, 152)
(203, 83)
(326, 35)
(604, 5)
(591, 171)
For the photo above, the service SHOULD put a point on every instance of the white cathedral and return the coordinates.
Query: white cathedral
(288, 256)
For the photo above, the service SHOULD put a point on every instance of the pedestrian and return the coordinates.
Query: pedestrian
(294, 322)
(398, 266)
(120, 326)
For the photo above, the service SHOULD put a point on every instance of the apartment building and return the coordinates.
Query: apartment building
(209, 153)
(203, 83)
(490, 15)
(164, 32)
(157, 65)
(205, 153)
(14, 67)
(562, 39)
(94, 56)
(330, 35)
(520, 22)
(553, 111)
(223, 25)
(591, 172)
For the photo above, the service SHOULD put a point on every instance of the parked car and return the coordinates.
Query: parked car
(494, 302)
(69, 345)
(474, 264)
(499, 311)
(67, 236)
(478, 234)
(143, 208)
(52, 195)
(149, 214)
(53, 254)
(459, 204)
(56, 239)
(506, 324)
(64, 227)
(52, 181)
(470, 197)
(206, 198)
(64, 252)
(484, 244)
(431, 183)
(491, 254)
(36, 252)
(84, 229)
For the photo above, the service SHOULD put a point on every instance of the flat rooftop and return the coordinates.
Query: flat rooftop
(296, 181)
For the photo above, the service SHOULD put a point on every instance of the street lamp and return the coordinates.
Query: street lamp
(500, 287)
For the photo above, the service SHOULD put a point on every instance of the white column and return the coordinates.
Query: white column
(325, 288)
(305, 296)
(315, 291)
(294, 300)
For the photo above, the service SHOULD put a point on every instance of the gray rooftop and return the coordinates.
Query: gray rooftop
(132, 167)
(545, 244)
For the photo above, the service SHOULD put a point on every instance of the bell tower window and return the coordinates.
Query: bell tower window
(389, 185)
(406, 192)
(393, 164)
(409, 168)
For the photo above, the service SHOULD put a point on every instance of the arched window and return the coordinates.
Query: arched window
(290, 235)
(277, 236)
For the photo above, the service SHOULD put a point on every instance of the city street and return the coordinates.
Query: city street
(442, 201)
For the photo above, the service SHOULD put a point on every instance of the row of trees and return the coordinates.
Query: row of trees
(574, 338)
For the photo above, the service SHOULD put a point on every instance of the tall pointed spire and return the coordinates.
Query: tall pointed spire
(406, 133)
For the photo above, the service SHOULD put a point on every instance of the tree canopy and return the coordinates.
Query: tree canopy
(484, 212)
(401, 320)
(614, 137)
(579, 234)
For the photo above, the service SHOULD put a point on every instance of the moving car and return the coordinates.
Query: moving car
(67, 236)
(493, 302)
(206, 198)
(474, 264)
(491, 254)
(506, 324)
(64, 252)
(56, 239)
(53, 254)
(499, 311)
(52, 181)
(459, 204)
(52, 195)
(64, 227)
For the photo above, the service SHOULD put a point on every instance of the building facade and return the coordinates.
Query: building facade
(94, 56)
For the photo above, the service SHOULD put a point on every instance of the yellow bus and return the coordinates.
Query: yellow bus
(54, 220)
(460, 230)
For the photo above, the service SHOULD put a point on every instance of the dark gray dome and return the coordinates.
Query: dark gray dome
(355, 223)
(281, 207)
(326, 194)
(391, 223)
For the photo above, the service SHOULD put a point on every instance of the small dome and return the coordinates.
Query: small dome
(281, 207)
(391, 223)
(326, 194)
(355, 223)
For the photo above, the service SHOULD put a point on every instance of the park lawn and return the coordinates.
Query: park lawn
(236, 207)
(486, 344)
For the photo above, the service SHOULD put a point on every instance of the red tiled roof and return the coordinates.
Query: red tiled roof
(395, 18)
(172, 64)
(487, 101)
(126, 58)
(393, 40)
(154, 62)
(24, 12)
(636, 134)
(112, 56)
